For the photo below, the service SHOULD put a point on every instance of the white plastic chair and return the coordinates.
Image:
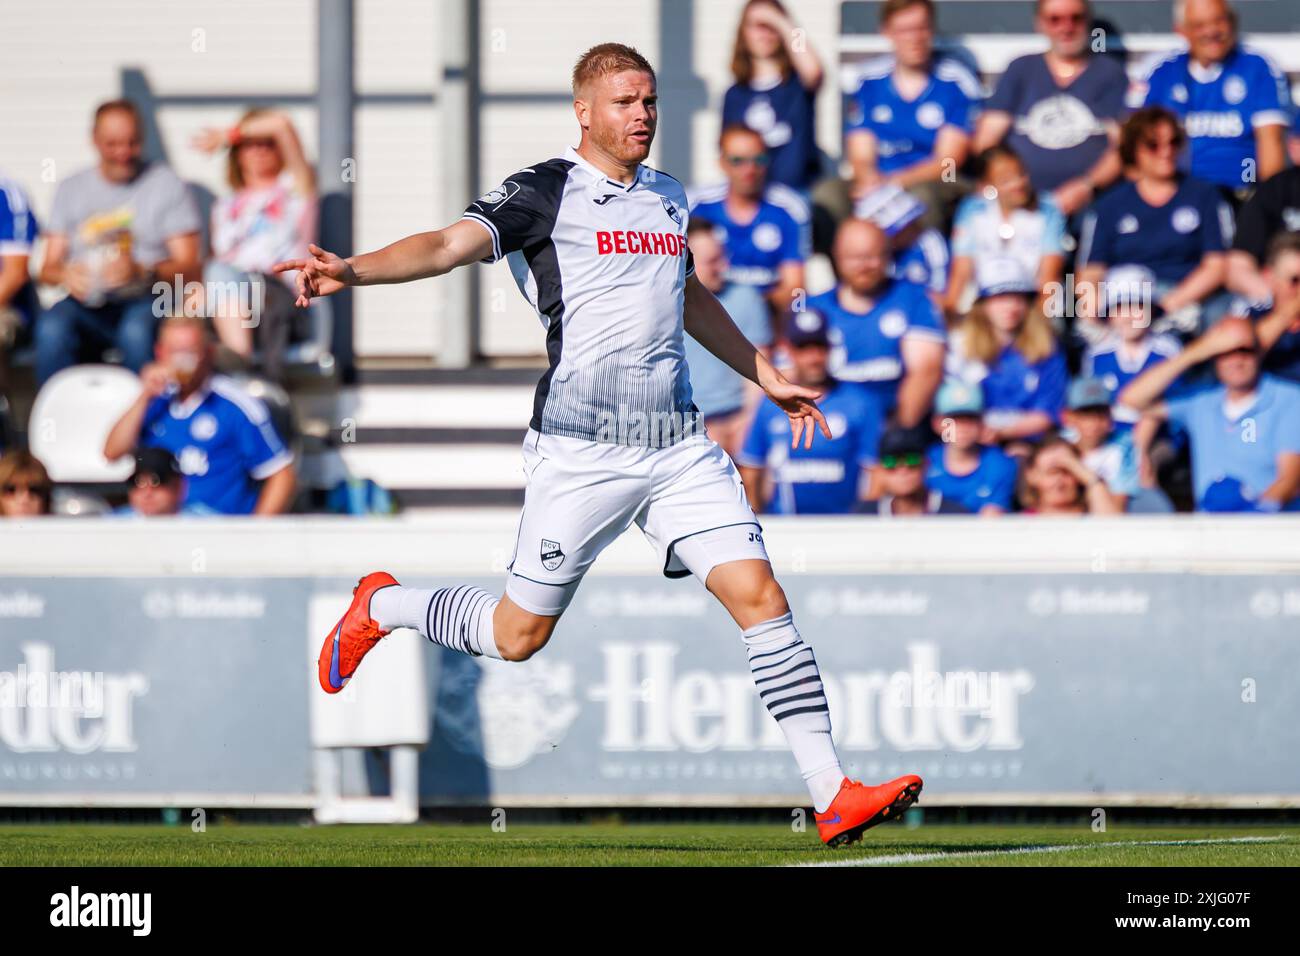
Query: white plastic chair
(73, 414)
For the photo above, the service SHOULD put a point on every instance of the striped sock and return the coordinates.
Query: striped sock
(459, 618)
(790, 686)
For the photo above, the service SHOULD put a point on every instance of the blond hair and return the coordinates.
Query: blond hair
(606, 58)
(1034, 339)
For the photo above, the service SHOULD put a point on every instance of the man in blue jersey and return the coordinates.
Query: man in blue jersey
(910, 120)
(766, 230)
(18, 304)
(824, 479)
(1234, 102)
(233, 460)
(886, 333)
(982, 478)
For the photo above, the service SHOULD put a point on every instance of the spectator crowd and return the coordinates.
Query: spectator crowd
(1077, 292)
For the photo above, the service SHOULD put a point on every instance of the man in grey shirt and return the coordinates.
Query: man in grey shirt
(114, 231)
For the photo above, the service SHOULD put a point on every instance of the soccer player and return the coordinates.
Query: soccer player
(596, 241)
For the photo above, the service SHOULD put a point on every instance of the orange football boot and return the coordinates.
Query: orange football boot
(857, 808)
(354, 635)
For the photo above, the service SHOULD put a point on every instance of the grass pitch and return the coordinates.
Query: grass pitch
(613, 844)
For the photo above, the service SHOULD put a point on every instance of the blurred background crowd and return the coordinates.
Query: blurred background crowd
(1075, 290)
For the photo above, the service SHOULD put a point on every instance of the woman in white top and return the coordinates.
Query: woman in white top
(269, 216)
(1004, 217)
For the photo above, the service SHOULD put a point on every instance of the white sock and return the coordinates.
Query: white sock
(790, 686)
(459, 618)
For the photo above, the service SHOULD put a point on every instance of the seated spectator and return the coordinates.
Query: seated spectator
(1060, 110)
(1244, 432)
(919, 253)
(1176, 226)
(1274, 209)
(910, 121)
(724, 398)
(1277, 315)
(233, 460)
(1234, 102)
(826, 478)
(1055, 481)
(764, 229)
(1006, 346)
(269, 217)
(25, 486)
(1128, 347)
(18, 303)
(885, 333)
(901, 479)
(114, 231)
(775, 92)
(981, 478)
(157, 487)
(1105, 451)
(1004, 217)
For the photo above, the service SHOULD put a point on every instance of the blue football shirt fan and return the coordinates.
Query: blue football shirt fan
(1014, 383)
(1220, 106)
(868, 347)
(780, 232)
(223, 440)
(965, 471)
(905, 130)
(823, 479)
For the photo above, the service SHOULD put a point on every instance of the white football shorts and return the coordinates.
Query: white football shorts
(581, 495)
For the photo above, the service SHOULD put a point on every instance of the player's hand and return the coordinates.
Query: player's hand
(801, 405)
(323, 274)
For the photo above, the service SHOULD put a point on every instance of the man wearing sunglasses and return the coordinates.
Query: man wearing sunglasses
(1245, 432)
(900, 478)
(766, 228)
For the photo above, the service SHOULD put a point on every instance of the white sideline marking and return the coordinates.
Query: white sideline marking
(897, 858)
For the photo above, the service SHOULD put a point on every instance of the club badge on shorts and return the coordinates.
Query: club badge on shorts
(552, 556)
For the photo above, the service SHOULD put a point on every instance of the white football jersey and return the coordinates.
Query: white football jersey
(605, 265)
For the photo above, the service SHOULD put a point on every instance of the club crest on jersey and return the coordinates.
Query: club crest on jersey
(552, 556)
(499, 195)
(670, 207)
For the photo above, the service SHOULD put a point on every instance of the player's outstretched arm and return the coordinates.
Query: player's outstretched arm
(420, 256)
(706, 321)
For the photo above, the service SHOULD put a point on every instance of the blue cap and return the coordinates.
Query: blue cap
(891, 208)
(806, 327)
(1088, 393)
(959, 398)
(1000, 275)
